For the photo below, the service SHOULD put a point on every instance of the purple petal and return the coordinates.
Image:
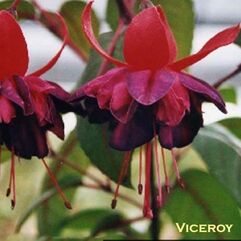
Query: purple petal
(94, 113)
(182, 134)
(122, 105)
(105, 91)
(62, 100)
(136, 132)
(147, 87)
(58, 126)
(23, 91)
(8, 90)
(203, 88)
(25, 137)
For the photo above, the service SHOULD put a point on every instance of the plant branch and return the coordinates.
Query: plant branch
(50, 24)
(124, 11)
(76, 167)
(118, 225)
(146, 4)
(226, 78)
(101, 185)
(52, 192)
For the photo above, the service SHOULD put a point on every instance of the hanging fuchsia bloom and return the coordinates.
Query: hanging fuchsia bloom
(149, 95)
(29, 106)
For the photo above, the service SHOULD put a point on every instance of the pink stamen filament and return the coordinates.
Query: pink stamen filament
(159, 185)
(140, 186)
(11, 185)
(13, 201)
(58, 188)
(147, 212)
(167, 184)
(124, 168)
(178, 176)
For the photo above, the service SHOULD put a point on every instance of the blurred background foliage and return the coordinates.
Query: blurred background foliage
(86, 169)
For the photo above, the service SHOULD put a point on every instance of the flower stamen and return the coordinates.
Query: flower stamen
(58, 188)
(140, 186)
(178, 176)
(167, 183)
(11, 184)
(147, 211)
(159, 185)
(124, 168)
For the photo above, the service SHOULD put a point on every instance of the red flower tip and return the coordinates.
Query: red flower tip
(53, 61)
(89, 33)
(221, 39)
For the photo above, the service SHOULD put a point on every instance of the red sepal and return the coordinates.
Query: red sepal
(221, 39)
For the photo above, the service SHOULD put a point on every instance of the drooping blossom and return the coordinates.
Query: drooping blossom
(29, 106)
(149, 95)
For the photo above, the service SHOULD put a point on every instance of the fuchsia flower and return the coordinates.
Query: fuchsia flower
(149, 95)
(29, 106)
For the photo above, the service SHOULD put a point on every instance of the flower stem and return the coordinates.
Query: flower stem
(146, 4)
(124, 11)
(227, 77)
(112, 46)
(15, 4)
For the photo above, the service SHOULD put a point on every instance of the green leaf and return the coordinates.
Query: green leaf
(25, 9)
(5, 155)
(180, 16)
(95, 222)
(238, 40)
(233, 125)
(84, 220)
(72, 11)
(222, 154)
(94, 142)
(204, 201)
(229, 94)
(112, 14)
(66, 183)
(72, 151)
(108, 160)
